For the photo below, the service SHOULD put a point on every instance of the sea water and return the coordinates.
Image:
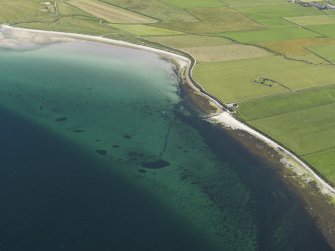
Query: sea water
(98, 151)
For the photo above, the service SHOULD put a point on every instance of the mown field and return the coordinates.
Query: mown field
(110, 13)
(237, 44)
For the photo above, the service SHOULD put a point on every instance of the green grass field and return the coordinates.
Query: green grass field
(323, 161)
(225, 52)
(306, 131)
(233, 81)
(145, 30)
(312, 20)
(280, 9)
(110, 13)
(21, 10)
(236, 42)
(326, 30)
(195, 3)
(212, 20)
(273, 34)
(157, 9)
(303, 121)
(190, 41)
(285, 103)
(325, 51)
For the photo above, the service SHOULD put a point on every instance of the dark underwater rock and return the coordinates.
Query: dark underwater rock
(127, 136)
(61, 119)
(157, 164)
(101, 152)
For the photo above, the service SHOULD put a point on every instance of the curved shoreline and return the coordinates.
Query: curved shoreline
(223, 117)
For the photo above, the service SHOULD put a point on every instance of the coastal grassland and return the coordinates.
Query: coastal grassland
(303, 121)
(285, 103)
(304, 131)
(272, 15)
(299, 49)
(310, 58)
(225, 52)
(156, 9)
(325, 51)
(65, 9)
(195, 3)
(271, 34)
(324, 162)
(275, 22)
(310, 1)
(237, 3)
(312, 20)
(33, 14)
(73, 24)
(109, 12)
(212, 20)
(326, 30)
(145, 30)
(189, 41)
(22, 10)
(276, 11)
(296, 46)
(329, 12)
(234, 81)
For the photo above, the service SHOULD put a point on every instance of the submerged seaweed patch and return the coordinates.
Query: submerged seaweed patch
(133, 155)
(101, 152)
(127, 136)
(157, 164)
(61, 119)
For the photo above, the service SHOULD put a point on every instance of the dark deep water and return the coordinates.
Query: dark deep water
(54, 198)
(98, 154)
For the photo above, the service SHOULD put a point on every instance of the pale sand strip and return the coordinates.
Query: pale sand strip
(224, 118)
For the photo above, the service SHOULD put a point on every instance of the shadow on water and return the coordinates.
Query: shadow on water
(54, 198)
(282, 222)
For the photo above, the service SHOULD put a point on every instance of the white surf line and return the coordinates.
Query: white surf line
(224, 118)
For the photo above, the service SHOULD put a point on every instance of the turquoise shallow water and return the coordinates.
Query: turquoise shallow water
(100, 152)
